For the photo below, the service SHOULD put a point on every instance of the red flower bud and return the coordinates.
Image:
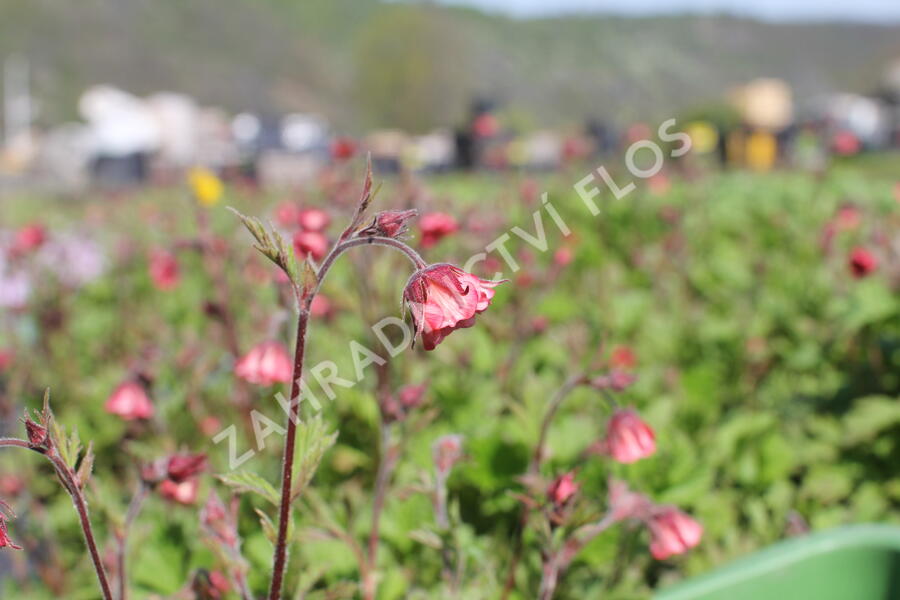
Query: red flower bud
(38, 436)
(184, 466)
(390, 223)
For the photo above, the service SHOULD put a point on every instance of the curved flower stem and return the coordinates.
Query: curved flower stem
(287, 470)
(67, 478)
(556, 564)
(570, 384)
(533, 468)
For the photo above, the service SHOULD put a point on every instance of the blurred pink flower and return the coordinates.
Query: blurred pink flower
(164, 270)
(29, 238)
(628, 438)
(287, 214)
(6, 359)
(130, 401)
(266, 363)
(443, 298)
(311, 243)
(321, 307)
(862, 262)
(563, 256)
(622, 357)
(672, 532)
(313, 219)
(446, 452)
(183, 493)
(563, 488)
(435, 226)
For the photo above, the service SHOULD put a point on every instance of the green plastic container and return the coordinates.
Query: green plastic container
(860, 562)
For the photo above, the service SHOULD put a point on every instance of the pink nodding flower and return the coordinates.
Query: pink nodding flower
(129, 401)
(164, 270)
(563, 488)
(182, 493)
(266, 363)
(672, 532)
(436, 226)
(181, 467)
(862, 262)
(29, 238)
(628, 438)
(310, 243)
(446, 452)
(313, 219)
(443, 298)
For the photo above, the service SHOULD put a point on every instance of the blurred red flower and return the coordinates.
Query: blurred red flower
(342, 148)
(287, 214)
(622, 357)
(29, 238)
(183, 493)
(265, 364)
(562, 488)
(130, 401)
(672, 532)
(628, 438)
(164, 270)
(311, 243)
(862, 262)
(181, 467)
(313, 219)
(436, 226)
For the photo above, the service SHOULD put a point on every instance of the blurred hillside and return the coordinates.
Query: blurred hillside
(366, 63)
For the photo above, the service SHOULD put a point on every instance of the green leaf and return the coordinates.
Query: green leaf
(247, 481)
(313, 441)
(870, 416)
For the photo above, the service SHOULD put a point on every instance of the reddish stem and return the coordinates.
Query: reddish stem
(287, 470)
(68, 480)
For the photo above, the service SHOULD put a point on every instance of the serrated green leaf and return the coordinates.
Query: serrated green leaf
(313, 441)
(247, 481)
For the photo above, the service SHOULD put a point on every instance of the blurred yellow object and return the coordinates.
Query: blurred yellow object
(762, 149)
(207, 188)
(704, 137)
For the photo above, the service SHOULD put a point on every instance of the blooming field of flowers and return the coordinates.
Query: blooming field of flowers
(597, 406)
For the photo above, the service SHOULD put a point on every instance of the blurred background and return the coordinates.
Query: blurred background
(234, 84)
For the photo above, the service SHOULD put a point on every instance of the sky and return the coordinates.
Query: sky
(877, 11)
